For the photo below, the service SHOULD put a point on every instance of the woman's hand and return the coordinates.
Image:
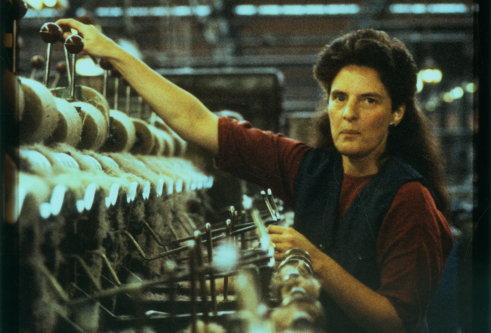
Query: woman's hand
(369, 309)
(95, 43)
(285, 239)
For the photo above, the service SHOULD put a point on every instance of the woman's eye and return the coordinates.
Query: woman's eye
(370, 100)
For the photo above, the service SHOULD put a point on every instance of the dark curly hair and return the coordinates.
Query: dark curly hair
(412, 138)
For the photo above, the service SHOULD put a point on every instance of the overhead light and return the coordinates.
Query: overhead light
(457, 93)
(295, 10)
(447, 97)
(420, 8)
(429, 72)
(452, 95)
(246, 10)
(447, 8)
(182, 11)
(471, 87)
(202, 10)
(240, 10)
(431, 76)
(270, 10)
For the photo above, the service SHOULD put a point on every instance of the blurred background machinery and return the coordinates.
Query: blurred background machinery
(248, 59)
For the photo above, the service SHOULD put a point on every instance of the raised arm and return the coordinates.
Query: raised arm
(183, 112)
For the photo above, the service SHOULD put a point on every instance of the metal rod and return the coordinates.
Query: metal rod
(116, 93)
(109, 266)
(173, 231)
(141, 286)
(87, 270)
(201, 275)
(130, 288)
(99, 304)
(183, 239)
(152, 232)
(159, 255)
(172, 292)
(192, 270)
(140, 107)
(48, 63)
(273, 203)
(225, 279)
(232, 216)
(68, 67)
(73, 83)
(128, 99)
(268, 204)
(15, 31)
(104, 87)
(54, 283)
(213, 290)
(243, 244)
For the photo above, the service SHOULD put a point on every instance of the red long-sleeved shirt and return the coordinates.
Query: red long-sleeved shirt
(414, 240)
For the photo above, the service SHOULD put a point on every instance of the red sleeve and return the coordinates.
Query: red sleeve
(413, 245)
(267, 159)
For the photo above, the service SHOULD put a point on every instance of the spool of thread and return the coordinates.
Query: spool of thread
(33, 161)
(158, 143)
(164, 144)
(40, 116)
(87, 162)
(108, 164)
(145, 139)
(96, 99)
(94, 127)
(179, 144)
(122, 133)
(64, 161)
(69, 128)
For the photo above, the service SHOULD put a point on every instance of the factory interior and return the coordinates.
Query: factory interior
(117, 224)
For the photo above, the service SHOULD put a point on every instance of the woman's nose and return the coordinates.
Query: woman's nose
(350, 111)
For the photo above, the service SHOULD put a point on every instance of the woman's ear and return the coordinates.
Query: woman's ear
(398, 114)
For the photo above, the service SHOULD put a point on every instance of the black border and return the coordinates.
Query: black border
(482, 211)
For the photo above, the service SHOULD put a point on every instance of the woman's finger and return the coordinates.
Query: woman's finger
(275, 229)
(275, 238)
(67, 24)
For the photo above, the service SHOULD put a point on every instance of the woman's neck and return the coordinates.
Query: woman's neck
(363, 166)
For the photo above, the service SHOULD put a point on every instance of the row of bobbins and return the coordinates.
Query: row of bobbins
(119, 176)
(81, 116)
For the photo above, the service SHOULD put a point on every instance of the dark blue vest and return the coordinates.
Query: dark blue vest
(352, 241)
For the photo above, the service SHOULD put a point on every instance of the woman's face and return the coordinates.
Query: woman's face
(360, 112)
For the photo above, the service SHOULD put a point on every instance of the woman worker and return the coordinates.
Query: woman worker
(368, 201)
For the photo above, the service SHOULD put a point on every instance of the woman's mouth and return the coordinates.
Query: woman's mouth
(350, 132)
